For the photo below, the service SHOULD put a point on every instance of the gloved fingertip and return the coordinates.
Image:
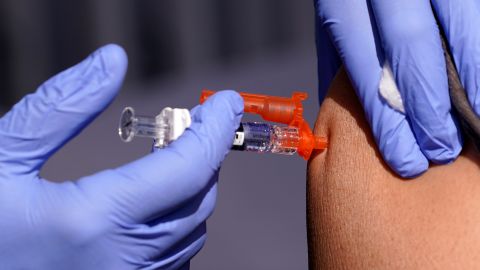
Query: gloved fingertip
(412, 168)
(227, 102)
(213, 127)
(399, 147)
(444, 146)
(115, 60)
(230, 97)
(443, 156)
(408, 164)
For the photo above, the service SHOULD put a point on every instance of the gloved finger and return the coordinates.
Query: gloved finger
(157, 237)
(42, 122)
(460, 21)
(165, 180)
(180, 255)
(412, 45)
(355, 39)
(192, 112)
(328, 61)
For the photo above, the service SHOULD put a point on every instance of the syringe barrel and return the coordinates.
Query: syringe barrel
(271, 108)
(132, 125)
(147, 127)
(264, 138)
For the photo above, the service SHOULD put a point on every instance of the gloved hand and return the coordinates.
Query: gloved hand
(367, 34)
(149, 214)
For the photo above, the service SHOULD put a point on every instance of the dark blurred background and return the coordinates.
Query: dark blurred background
(176, 48)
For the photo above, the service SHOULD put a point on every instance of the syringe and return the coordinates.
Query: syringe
(250, 136)
(284, 110)
(294, 137)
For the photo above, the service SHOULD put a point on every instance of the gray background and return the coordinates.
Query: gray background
(176, 48)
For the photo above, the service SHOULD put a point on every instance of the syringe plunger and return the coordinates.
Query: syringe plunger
(164, 128)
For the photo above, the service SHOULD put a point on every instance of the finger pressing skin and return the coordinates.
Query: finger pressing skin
(357, 43)
(411, 42)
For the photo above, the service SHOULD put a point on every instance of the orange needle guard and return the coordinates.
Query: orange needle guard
(283, 110)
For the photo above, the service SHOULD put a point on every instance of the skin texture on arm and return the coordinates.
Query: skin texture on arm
(362, 216)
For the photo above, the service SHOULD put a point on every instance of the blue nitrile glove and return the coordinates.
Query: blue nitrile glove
(368, 34)
(149, 214)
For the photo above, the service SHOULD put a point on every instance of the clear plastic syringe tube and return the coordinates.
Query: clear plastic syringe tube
(132, 125)
(250, 136)
(265, 137)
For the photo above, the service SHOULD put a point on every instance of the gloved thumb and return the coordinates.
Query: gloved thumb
(328, 60)
(44, 121)
(167, 179)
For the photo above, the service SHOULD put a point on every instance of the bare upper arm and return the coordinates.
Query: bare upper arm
(361, 216)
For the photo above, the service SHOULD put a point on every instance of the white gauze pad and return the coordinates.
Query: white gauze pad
(389, 90)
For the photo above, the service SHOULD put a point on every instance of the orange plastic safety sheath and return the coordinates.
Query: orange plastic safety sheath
(283, 110)
(275, 109)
